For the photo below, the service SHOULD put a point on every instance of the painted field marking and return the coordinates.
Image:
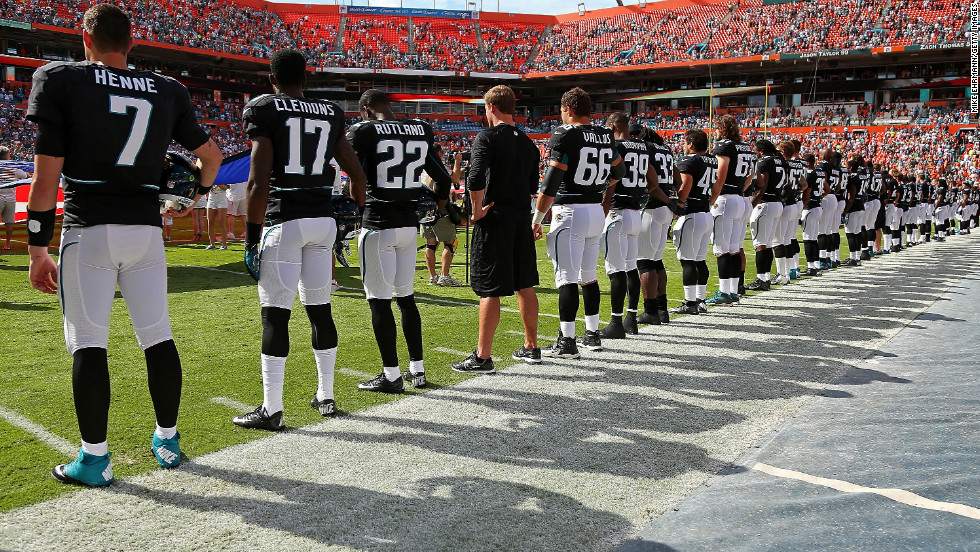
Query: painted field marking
(231, 403)
(355, 373)
(59, 444)
(459, 353)
(211, 268)
(898, 495)
(520, 333)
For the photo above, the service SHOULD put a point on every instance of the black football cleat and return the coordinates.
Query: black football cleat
(648, 318)
(630, 325)
(664, 316)
(851, 262)
(759, 285)
(418, 380)
(614, 330)
(812, 272)
(689, 307)
(380, 384)
(474, 365)
(865, 255)
(564, 347)
(530, 356)
(592, 340)
(258, 419)
(702, 306)
(326, 407)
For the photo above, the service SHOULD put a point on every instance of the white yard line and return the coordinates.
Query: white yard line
(59, 444)
(459, 353)
(232, 403)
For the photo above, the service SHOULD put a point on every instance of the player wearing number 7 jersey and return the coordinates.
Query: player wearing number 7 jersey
(394, 152)
(583, 161)
(107, 130)
(289, 188)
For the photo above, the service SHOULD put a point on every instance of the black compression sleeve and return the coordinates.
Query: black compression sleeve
(552, 180)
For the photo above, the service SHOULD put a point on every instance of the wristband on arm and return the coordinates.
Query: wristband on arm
(253, 234)
(40, 227)
(538, 217)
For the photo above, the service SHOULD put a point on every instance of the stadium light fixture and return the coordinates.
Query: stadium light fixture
(643, 3)
(581, 8)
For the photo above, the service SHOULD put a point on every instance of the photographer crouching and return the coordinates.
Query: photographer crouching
(443, 229)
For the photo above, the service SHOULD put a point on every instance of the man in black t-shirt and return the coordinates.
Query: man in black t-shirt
(583, 161)
(503, 176)
(289, 189)
(107, 129)
(393, 153)
(698, 172)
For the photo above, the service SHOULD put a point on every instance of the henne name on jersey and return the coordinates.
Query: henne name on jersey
(108, 78)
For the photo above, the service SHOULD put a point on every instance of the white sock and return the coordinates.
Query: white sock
(701, 291)
(796, 261)
(567, 329)
(915, 235)
(733, 285)
(723, 285)
(780, 266)
(166, 432)
(591, 322)
(415, 367)
(888, 241)
(96, 449)
(690, 293)
(765, 276)
(273, 373)
(392, 373)
(326, 359)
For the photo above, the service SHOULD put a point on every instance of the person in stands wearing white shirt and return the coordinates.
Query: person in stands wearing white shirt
(8, 196)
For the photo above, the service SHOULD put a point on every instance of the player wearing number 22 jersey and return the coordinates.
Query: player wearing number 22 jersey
(289, 190)
(394, 153)
(583, 161)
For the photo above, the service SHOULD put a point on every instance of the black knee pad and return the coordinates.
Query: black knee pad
(659, 265)
(645, 265)
(432, 246)
(275, 331)
(451, 246)
(324, 331)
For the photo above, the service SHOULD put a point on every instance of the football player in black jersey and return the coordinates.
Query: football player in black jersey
(394, 152)
(928, 210)
(828, 205)
(111, 231)
(906, 191)
(736, 165)
(699, 172)
(787, 262)
(583, 161)
(771, 176)
(857, 185)
(655, 222)
(620, 238)
(817, 186)
(890, 207)
(289, 189)
(941, 207)
(878, 178)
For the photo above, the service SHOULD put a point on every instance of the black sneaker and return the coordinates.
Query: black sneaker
(851, 262)
(614, 330)
(664, 316)
(865, 255)
(759, 285)
(836, 264)
(812, 272)
(418, 380)
(629, 324)
(258, 419)
(689, 307)
(592, 341)
(741, 289)
(474, 365)
(530, 356)
(380, 384)
(564, 347)
(702, 306)
(326, 407)
(648, 318)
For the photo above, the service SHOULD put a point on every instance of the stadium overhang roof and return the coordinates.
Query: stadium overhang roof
(699, 93)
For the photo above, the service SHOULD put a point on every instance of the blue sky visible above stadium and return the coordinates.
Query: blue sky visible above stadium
(547, 7)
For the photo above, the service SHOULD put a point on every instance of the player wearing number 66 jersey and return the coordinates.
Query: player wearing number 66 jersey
(107, 129)
(620, 238)
(699, 172)
(583, 160)
(394, 153)
(289, 189)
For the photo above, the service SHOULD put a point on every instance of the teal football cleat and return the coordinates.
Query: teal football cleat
(167, 451)
(717, 299)
(88, 470)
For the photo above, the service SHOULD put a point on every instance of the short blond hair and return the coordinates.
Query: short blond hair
(501, 97)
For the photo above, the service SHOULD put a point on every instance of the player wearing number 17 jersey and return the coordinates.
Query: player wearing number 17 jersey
(289, 189)
(394, 152)
(583, 160)
(107, 129)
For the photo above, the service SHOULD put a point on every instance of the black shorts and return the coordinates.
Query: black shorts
(880, 221)
(504, 259)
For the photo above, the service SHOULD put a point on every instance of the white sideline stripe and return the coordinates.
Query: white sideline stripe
(520, 333)
(232, 403)
(898, 495)
(459, 353)
(59, 444)
(211, 268)
(355, 373)
(502, 309)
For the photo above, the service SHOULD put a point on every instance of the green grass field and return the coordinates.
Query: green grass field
(215, 314)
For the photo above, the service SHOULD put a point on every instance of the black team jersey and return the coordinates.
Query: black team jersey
(703, 170)
(906, 191)
(631, 191)
(815, 180)
(393, 154)
(663, 163)
(505, 164)
(778, 173)
(877, 185)
(741, 161)
(303, 132)
(797, 176)
(833, 176)
(859, 180)
(117, 126)
(589, 152)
